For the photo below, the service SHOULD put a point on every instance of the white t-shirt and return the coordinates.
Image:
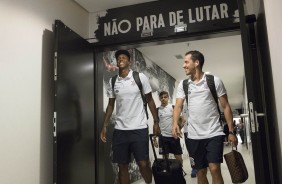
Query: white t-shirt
(130, 112)
(165, 117)
(203, 119)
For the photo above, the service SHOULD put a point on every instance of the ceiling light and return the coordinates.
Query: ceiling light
(180, 28)
(179, 56)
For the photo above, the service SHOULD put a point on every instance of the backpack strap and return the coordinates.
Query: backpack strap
(185, 88)
(114, 78)
(139, 84)
(211, 84)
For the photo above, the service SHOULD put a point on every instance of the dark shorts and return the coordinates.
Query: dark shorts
(130, 142)
(205, 151)
(170, 145)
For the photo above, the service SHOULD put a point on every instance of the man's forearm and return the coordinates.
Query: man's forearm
(108, 115)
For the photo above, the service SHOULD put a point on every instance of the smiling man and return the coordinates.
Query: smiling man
(205, 132)
(130, 135)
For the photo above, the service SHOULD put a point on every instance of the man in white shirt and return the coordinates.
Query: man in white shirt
(130, 135)
(167, 144)
(205, 133)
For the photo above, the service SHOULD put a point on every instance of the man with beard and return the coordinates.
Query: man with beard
(205, 132)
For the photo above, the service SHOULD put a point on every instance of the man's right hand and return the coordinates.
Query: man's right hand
(176, 133)
(103, 134)
(156, 129)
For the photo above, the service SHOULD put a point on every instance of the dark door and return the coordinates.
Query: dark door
(260, 143)
(74, 130)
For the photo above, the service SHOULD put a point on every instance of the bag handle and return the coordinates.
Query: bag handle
(155, 155)
(234, 147)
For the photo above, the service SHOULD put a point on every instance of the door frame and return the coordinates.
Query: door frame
(262, 157)
(263, 161)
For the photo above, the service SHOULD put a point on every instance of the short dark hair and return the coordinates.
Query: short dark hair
(196, 55)
(163, 93)
(119, 52)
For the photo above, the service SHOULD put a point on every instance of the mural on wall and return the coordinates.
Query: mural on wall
(159, 81)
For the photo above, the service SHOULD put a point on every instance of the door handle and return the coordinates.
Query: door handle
(244, 115)
(253, 118)
(256, 116)
(259, 114)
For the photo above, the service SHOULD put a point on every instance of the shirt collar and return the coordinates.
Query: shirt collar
(129, 75)
(203, 79)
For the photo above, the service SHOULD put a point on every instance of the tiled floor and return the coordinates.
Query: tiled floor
(226, 176)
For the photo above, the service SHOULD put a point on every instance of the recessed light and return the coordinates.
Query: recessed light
(179, 56)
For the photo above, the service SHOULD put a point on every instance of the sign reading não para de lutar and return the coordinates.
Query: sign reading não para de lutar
(165, 18)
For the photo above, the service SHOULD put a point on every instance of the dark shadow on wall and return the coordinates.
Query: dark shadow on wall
(47, 108)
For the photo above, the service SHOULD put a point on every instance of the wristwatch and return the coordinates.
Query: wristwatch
(230, 132)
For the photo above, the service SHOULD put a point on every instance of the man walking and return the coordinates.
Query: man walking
(167, 144)
(205, 132)
(130, 135)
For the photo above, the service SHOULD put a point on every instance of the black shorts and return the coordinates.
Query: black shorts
(205, 151)
(128, 142)
(169, 145)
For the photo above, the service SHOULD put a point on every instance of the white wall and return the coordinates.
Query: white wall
(273, 15)
(26, 100)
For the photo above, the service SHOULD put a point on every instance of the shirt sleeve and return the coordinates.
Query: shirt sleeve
(219, 86)
(145, 83)
(180, 91)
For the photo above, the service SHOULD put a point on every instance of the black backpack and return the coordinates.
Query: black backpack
(139, 84)
(210, 82)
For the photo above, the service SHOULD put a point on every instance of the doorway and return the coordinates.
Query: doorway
(224, 58)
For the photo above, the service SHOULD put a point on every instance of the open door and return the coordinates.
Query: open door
(256, 102)
(74, 129)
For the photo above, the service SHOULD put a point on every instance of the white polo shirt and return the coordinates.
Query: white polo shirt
(130, 112)
(203, 118)
(165, 116)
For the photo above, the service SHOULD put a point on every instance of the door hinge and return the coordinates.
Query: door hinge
(55, 124)
(55, 66)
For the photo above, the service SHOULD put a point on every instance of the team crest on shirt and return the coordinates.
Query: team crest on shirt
(133, 82)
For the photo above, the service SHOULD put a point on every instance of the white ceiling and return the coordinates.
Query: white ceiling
(100, 5)
(223, 55)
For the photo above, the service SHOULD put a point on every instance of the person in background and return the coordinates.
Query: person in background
(167, 144)
(240, 131)
(130, 134)
(205, 132)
